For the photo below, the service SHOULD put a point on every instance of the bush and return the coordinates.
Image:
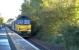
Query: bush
(71, 36)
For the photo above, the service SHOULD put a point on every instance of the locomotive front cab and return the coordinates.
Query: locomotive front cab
(23, 25)
(23, 28)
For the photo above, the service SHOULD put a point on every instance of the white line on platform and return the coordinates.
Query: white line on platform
(2, 34)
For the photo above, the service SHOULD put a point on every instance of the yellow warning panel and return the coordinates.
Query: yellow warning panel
(23, 27)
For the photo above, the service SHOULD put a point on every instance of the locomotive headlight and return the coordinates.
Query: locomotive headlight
(29, 30)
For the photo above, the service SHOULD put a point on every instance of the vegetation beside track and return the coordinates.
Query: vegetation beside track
(56, 22)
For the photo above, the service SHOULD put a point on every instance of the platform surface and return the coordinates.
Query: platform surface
(4, 43)
(10, 40)
(20, 43)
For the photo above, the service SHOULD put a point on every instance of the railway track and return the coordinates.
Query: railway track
(38, 43)
(42, 45)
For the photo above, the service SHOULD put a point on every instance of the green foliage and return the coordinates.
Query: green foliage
(1, 20)
(70, 35)
(55, 18)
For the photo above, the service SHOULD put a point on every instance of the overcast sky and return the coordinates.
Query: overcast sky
(10, 8)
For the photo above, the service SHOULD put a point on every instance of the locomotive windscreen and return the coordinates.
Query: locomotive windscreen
(23, 22)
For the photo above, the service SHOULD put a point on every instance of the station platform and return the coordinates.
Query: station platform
(10, 40)
(4, 43)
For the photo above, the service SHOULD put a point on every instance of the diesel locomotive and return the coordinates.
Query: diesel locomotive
(22, 25)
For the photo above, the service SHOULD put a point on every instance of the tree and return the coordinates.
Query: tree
(52, 16)
(1, 20)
